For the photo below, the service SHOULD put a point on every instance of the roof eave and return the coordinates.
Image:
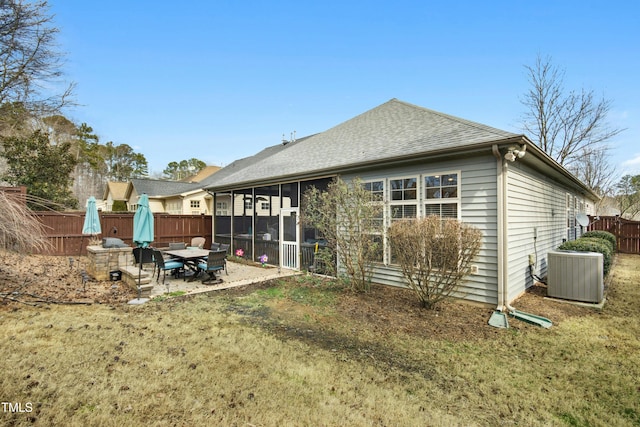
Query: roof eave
(355, 167)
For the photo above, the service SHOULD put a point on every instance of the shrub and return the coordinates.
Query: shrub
(435, 255)
(586, 244)
(605, 235)
(119, 206)
(348, 221)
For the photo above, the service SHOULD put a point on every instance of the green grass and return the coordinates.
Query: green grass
(286, 355)
(169, 295)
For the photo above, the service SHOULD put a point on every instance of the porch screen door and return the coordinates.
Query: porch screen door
(289, 238)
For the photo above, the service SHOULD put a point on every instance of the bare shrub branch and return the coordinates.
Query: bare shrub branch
(348, 219)
(19, 230)
(435, 255)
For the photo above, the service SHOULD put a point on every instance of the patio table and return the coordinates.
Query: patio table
(190, 258)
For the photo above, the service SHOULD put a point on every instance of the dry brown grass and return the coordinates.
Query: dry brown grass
(295, 353)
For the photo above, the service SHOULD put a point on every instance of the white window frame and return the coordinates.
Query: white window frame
(403, 202)
(222, 208)
(382, 233)
(570, 216)
(443, 200)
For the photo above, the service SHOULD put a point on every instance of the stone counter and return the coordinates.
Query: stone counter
(103, 260)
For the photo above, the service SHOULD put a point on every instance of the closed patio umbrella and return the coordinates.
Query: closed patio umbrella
(91, 224)
(91, 219)
(142, 234)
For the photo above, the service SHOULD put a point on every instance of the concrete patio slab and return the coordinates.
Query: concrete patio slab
(239, 275)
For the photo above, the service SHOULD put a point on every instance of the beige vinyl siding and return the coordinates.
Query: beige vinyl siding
(536, 205)
(478, 207)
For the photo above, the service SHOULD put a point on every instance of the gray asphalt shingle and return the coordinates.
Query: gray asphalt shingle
(393, 130)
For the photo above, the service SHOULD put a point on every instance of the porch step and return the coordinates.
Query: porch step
(130, 277)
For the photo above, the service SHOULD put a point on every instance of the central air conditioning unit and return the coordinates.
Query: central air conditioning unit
(577, 276)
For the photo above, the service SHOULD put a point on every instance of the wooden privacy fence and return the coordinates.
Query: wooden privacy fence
(64, 230)
(627, 232)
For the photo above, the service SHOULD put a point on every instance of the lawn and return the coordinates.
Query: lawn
(303, 351)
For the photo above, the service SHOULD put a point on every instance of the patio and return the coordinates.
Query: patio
(239, 275)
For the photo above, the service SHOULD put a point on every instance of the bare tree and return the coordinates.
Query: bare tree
(435, 255)
(30, 64)
(566, 125)
(594, 169)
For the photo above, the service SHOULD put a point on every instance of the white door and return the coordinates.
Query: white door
(289, 238)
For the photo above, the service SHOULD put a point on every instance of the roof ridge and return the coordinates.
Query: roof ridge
(467, 122)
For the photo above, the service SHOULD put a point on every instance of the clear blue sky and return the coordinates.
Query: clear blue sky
(220, 80)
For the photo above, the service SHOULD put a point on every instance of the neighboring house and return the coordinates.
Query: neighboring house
(173, 197)
(113, 191)
(420, 162)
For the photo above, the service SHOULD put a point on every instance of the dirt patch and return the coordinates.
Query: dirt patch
(39, 279)
(384, 310)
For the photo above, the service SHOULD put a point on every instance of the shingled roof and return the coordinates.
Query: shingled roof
(391, 131)
(162, 188)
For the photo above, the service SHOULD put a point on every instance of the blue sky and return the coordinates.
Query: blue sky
(220, 80)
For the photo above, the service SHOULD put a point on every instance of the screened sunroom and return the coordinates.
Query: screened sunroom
(266, 220)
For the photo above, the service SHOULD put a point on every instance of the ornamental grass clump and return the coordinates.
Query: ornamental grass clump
(435, 255)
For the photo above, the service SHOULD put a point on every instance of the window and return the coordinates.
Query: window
(222, 209)
(264, 206)
(174, 207)
(404, 189)
(248, 203)
(403, 196)
(571, 218)
(376, 188)
(437, 188)
(430, 194)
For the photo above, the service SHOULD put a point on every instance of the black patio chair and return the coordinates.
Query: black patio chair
(216, 261)
(144, 255)
(176, 267)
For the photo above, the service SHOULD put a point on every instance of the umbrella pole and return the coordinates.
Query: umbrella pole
(139, 274)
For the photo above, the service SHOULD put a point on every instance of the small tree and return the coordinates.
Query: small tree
(434, 254)
(349, 220)
(628, 196)
(43, 168)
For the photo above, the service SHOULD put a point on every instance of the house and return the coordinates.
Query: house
(114, 192)
(420, 162)
(173, 197)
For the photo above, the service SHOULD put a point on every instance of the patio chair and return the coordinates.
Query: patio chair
(215, 246)
(216, 261)
(176, 267)
(197, 242)
(146, 256)
(224, 247)
(177, 246)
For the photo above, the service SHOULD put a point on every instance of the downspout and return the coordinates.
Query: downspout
(501, 226)
(512, 155)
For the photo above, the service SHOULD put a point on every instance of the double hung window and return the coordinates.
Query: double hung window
(376, 225)
(441, 195)
(413, 196)
(403, 201)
